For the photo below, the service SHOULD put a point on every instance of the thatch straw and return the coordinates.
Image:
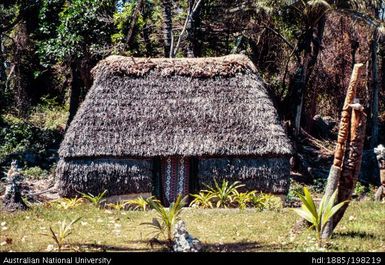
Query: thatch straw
(157, 115)
(263, 174)
(117, 176)
(193, 67)
(144, 108)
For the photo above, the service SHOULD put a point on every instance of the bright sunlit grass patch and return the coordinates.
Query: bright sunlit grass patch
(362, 229)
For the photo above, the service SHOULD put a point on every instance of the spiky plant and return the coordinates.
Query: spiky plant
(243, 199)
(141, 203)
(202, 199)
(64, 230)
(166, 218)
(66, 203)
(318, 217)
(96, 200)
(223, 193)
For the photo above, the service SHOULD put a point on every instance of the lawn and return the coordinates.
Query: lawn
(362, 229)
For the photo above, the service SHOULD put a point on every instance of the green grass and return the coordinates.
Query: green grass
(362, 229)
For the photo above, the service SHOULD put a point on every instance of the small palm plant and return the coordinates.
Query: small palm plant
(202, 199)
(66, 203)
(243, 199)
(318, 217)
(64, 230)
(265, 201)
(223, 194)
(118, 206)
(141, 203)
(95, 200)
(167, 218)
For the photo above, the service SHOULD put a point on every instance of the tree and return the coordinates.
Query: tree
(309, 41)
(17, 56)
(81, 38)
(188, 25)
(372, 12)
(307, 22)
(167, 27)
(137, 29)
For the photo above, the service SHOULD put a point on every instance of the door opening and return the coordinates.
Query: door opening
(175, 178)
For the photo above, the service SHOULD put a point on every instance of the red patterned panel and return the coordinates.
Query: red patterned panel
(175, 171)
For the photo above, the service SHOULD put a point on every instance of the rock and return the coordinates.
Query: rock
(183, 241)
(380, 194)
(12, 199)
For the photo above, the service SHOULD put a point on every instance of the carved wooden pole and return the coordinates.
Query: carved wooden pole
(352, 162)
(343, 134)
(345, 117)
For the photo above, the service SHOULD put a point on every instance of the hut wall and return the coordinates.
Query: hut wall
(118, 176)
(263, 174)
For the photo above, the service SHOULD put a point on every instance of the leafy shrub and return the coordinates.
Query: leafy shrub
(360, 189)
(35, 172)
(49, 115)
(295, 188)
(21, 140)
(15, 137)
(366, 191)
(319, 185)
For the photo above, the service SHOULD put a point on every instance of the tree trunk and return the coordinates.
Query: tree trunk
(300, 85)
(146, 32)
(134, 18)
(311, 49)
(22, 72)
(3, 76)
(76, 87)
(190, 31)
(375, 90)
(167, 27)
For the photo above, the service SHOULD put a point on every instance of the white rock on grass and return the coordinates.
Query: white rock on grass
(183, 241)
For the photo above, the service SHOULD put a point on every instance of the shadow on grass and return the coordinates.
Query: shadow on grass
(354, 234)
(243, 247)
(156, 247)
(148, 246)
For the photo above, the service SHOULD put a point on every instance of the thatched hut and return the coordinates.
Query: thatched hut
(167, 126)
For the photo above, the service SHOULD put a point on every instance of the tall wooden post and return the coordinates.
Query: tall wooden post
(343, 135)
(352, 162)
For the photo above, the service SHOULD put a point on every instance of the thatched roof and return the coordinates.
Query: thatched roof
(156, 107)
(193, 67)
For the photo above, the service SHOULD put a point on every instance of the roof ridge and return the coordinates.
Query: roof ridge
(227, 65)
